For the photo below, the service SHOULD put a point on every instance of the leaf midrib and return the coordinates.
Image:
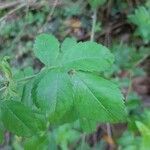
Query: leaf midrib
(115, 118)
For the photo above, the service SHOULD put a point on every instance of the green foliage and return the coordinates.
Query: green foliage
(134, 57)
(131, 53)
(19, 119)
(65, 135)
(1, 135)
(128, 141)
(37, 143)
(67, 89)
(5, 68)
(144, 128)
(73, 90)
(44, 51)
(141, 18)
(64, 89)
(72, 8)
(87, 58)
(131, 140)
(145, 132)
(13, 31)
(96, 3)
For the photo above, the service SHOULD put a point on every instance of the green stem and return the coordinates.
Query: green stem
(27, 78)
(32, 76)
(94, 18)
(3, 88)
(130, 85)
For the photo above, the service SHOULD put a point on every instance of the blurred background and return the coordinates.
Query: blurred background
(121, 25)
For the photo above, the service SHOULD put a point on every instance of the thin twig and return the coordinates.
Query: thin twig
(17, 38)
(130, 85)
(12, 11)
(137, 2)
(130, 4)
(83, 140)
(27, 78)
(3, 88)
(109, 133)
(53, 8)
(50, 15)
(109, 5)
(141, 60)
(6, 5)
(94, 18)
(109, 130)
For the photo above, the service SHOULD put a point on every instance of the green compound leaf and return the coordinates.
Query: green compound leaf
(19, 119)
(68, 92)
(46, 48)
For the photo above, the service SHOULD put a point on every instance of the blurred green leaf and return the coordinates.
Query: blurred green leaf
(19, 119)
(96, 3)
(145, 132)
